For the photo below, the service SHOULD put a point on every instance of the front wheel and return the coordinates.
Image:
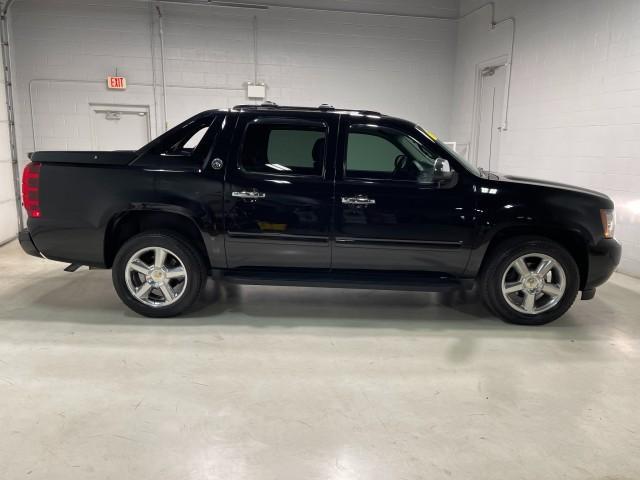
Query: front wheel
(158, 274)
(530, 281)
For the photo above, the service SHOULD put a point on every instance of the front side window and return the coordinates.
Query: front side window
(286, 149)
(388, 154)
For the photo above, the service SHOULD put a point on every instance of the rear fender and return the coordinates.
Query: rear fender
(147, 216)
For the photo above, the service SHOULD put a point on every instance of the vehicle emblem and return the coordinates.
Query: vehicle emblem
(217, 164)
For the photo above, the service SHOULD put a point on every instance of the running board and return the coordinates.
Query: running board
(419, 282)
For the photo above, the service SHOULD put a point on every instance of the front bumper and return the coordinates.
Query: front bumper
(26, 242)
(603, 260)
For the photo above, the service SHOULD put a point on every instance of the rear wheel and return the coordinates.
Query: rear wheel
(530, 281)
(158, 274)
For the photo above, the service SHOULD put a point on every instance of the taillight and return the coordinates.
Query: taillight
(608, 218)
(31, 189)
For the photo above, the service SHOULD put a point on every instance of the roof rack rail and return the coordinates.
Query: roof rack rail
(322, 108)
(251, 106)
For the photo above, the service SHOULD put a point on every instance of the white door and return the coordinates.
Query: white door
(491, 104)
(119, 127)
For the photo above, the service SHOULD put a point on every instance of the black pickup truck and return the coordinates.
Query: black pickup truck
(315, 196)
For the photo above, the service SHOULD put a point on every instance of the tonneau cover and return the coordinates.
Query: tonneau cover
(118, 158)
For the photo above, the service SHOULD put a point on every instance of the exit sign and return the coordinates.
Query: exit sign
(116, 83)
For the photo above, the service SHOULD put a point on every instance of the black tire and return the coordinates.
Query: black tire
(192, 260)
(502, 256)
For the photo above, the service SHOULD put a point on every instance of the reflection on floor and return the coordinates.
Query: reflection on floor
(301, 383)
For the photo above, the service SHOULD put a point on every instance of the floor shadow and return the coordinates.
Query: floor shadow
(88, 297)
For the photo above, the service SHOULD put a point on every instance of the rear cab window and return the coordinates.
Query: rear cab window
(187, 144)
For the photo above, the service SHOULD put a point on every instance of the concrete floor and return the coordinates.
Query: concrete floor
(274, 383)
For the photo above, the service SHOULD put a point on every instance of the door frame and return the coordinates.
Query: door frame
(234, 174)
(497, 62)
(95, 108)
(376, 247)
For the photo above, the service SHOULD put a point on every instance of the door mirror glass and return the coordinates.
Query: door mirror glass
(442, 170)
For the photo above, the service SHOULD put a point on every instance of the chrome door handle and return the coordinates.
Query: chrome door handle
(358, 200)
(253, 195)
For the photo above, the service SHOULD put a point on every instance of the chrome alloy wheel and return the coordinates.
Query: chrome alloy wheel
(156, 276)
(534, 283)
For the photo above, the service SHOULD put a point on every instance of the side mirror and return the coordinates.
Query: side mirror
(442, 171)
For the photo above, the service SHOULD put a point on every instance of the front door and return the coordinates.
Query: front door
(392, 212)
(278, 192)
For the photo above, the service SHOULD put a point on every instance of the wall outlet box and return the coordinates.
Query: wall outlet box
(256, 91)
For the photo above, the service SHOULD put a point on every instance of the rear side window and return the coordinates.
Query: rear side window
(286, 149)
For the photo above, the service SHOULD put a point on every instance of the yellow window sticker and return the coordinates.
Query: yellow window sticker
(432, 136)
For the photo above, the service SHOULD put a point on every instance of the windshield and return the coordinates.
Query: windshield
(472, 168)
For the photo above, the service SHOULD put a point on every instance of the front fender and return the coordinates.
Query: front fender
(507, 211)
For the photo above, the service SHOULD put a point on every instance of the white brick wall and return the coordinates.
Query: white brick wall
(60, 40)
(575, 97)
(399, 65)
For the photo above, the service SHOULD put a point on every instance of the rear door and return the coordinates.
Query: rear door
(278, 190)
(390, 214)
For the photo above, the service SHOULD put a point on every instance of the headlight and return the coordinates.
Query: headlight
(608, 222)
